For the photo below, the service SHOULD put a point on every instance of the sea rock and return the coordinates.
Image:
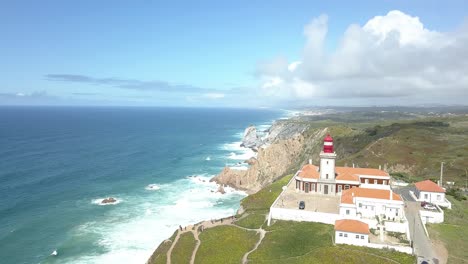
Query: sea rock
(251, 161)
(221, 189)
(251, 139)
(109, 200)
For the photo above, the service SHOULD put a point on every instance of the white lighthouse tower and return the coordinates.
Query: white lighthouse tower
(327, 167)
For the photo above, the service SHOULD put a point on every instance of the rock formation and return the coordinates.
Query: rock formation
(251, 139)
(108, 200)
(279, 153)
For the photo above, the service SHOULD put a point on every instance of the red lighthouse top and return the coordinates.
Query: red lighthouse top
(328, 144)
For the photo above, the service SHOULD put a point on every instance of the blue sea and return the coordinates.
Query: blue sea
(58, 163)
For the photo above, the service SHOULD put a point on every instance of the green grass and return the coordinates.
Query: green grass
(224, 244)
(253, 219)
(454, 231)
(182, 251)
(303, 242)
(159, 255)
(264, 198)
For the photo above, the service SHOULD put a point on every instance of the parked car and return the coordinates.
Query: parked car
(430, 207)
(301, 205)
(424, 204)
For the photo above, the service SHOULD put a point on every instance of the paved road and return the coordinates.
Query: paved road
(404, 193)
(422, 244)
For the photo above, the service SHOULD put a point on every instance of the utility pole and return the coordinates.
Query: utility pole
(441, 173)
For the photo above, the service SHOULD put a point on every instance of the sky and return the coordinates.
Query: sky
(233, 53)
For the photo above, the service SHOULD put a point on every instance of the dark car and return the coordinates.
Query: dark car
(301, 205)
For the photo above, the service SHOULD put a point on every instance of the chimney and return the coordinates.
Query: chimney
(353, 165)
(310, 161)
(354, 199)
(380, 167)
(391, 195)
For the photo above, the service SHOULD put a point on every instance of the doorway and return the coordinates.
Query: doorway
(325, 189)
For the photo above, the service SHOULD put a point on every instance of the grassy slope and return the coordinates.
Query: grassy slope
(256, 206)
(415, 149)
(454, 231)
(182, 251)
(224, 244)
(159, 255)
(303, 242)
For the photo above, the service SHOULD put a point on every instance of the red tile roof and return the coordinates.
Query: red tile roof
(309, 171)
(429, 186)
(347, 195)
(360, 171)
(353, 226)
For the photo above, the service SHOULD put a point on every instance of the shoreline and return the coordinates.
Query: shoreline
(250, 167)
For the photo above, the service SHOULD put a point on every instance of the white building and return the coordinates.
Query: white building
(328, 179)
(428, 191)
(369, 203)
(352, 232)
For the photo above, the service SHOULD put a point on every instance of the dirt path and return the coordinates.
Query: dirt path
(262, 235)
(194, 229)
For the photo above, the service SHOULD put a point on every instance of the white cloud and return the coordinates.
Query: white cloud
(390, 56)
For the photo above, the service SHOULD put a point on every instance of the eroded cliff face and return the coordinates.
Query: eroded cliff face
(281, 152)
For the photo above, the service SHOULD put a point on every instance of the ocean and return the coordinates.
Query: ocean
(58, 163)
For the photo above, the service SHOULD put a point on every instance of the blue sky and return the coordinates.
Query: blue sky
(190, 53)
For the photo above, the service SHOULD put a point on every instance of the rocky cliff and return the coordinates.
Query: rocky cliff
(280, 152)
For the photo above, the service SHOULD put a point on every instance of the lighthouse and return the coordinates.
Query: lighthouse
(327, 167)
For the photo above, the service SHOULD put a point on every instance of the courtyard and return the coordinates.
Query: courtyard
(290, 199)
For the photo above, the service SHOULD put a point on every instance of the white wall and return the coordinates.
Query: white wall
(403, 249)
(431, 197)
(351, 210)
(432, 217)
(397, 227)
(302, 215)
(375, 186)
(350, 238)
(372, 207)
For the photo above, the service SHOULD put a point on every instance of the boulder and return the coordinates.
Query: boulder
(109, 200)
(251, 139)
(221, 189)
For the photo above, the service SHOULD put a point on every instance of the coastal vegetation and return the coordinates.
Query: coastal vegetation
(408, 145)
(225, 244)
(453, 231)
(183, 249)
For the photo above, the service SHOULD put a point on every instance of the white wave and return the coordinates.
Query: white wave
(208, 158)
(247, 154)
(131, 233)
(233, 146)
(153, 187)
(98, 201)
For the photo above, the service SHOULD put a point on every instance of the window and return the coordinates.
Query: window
(362, 237)
(339, 188)
(341, 234)
(360, 205)
(425, 196)
(345, 235)
(396, 214)
(357, 236)
(326, 175)
(438, 197)
(346, 187)
(347, 212)
(327, 161)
